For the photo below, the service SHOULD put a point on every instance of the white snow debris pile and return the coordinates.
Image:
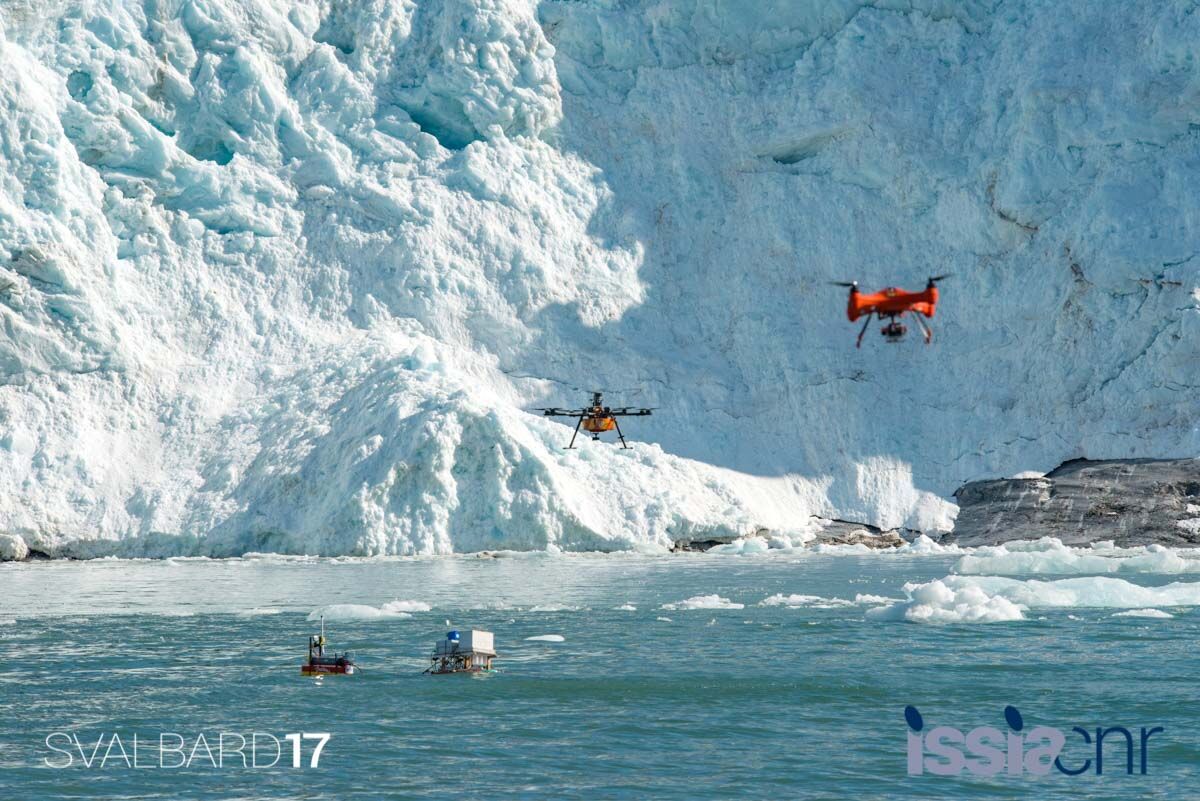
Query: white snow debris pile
(289, 275)
(12, 548)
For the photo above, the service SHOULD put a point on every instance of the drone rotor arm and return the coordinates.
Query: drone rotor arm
(630, 411)
(556, 412)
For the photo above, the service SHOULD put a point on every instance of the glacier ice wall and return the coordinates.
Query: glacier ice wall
(285, 275)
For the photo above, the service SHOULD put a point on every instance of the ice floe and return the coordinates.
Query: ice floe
(406, 606)
(704, 602)
(939, 602)
(1151, 613)
(546, 638)
(805, 600)
(347, 612)
(260, 611)
(1049, 556)
(871, 600)
(996, 598)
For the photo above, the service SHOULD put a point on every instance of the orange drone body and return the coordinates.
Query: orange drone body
(891, 301)
(891, 304)
(596, 425)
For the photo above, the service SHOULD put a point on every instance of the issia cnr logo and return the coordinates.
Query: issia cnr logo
(988, 751)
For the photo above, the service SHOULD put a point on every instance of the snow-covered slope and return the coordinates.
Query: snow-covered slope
(283, 275)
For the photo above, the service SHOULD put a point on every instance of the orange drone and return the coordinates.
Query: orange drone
(597, 418)
(892, 303)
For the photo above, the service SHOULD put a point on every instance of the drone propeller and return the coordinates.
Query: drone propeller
(933, 279)
(845, 283)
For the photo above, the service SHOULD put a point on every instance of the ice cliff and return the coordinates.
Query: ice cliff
(286, 275)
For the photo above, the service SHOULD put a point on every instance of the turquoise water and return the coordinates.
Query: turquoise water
(759, 702)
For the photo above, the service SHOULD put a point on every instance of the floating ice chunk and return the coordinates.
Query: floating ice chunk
(553, 608)
(804, 600)
(940, 602)
(869, 600)
(663, 619)
(259, 611)
(546, 638)
(1153, 613)
(988, 598)
(406, 606)
(8, 621)
(355, 612)
(788, 600)
(1050, 556)
(1097, 591)
(625, 608)
(704, 602)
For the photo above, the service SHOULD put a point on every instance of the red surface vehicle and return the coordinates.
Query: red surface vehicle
(320, 664)
(893, 303)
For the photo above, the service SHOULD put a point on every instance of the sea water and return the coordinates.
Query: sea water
(666, 677)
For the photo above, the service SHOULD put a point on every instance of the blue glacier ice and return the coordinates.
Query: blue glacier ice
(286, 276)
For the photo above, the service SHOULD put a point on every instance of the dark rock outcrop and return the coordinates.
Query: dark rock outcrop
(1130, 501)
(848, 532)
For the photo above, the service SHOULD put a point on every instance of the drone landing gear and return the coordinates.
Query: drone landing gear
(863, 330)
(924, 328)
(572, 445)
(619, 434)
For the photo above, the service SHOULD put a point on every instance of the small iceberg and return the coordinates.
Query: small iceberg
(406, 606)
(345, 612)
(939, 602)
(704, 602)
(1157, 614)
(794, 601)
